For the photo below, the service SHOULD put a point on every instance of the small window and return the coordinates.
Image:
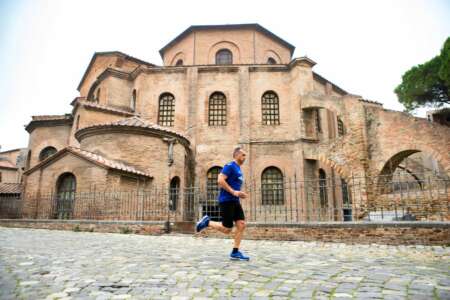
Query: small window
(318, 121)
(323, 188)
(217, 115)
(133, 100)
(270, 109)
(77, 124)
(224, 57)
(212, 187)
(271, 61)
(65, 196)
(174, 193)
(211, 207)
(97, 95)
(166, 113)
(179, 62)
(47, 152)
(341, 129)
(272, 186)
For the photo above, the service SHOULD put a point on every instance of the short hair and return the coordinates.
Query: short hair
(236, 151)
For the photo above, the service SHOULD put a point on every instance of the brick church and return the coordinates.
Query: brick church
(137, 125)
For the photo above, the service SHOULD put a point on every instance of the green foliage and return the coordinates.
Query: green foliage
(125, 230)
(427, 85)
(77, 228)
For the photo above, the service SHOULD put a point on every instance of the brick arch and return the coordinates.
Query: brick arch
(396, 156)
(224, 45)
(342, 170)
(179, 55)
(272, 54)
(310, 103)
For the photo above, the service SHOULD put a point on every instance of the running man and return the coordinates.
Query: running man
(230, 181)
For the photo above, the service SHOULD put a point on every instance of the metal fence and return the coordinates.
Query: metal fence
(286, 201)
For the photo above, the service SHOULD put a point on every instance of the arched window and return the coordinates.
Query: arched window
(270, 109)
(318, 120)
(341, 129)
(66, 187)
(272, 187)
(174, 193)
(212, 187)
(217, 110)
(346, 201)
(211, 208)
(166, 109)
(133, 100)
(271, 61)
(224, 57)
(323, 188)
(97, 95)
(47, 152)
(77, 124)
(179, 62)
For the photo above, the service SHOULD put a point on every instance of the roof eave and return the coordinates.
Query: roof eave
(229, 26)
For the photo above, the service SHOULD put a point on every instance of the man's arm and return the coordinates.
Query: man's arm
(221, 180)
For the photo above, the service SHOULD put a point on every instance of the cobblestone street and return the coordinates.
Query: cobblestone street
(43, 264)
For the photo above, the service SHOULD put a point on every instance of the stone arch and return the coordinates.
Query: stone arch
(176, 57)
(224, 45)
(341, 169)
(395, 156)
(272, 54)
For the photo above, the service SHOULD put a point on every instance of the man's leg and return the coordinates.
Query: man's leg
(240, 227)
(219, 226)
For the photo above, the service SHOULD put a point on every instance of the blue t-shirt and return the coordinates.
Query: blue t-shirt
(235, 178)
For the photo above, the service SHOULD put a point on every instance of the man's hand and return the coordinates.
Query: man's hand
(239, 194)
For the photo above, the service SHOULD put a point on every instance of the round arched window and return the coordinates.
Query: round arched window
(272, 186)
(47, 152)
(174, 193)
(65, 187)
(271, 61)
(224, 57)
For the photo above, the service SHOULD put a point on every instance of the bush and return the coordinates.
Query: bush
(125, 230)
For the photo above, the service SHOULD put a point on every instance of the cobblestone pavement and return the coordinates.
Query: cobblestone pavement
(43, 264)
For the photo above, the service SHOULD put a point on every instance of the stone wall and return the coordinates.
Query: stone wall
(395, 233)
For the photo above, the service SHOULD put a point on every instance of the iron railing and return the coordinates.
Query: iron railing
(288, 201)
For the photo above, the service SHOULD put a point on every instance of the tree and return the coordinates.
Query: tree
(427, 85)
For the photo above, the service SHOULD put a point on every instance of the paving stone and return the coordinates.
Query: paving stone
(44, 264)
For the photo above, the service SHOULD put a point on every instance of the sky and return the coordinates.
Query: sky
(362, 46)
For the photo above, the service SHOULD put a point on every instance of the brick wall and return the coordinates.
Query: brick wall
(395, 233)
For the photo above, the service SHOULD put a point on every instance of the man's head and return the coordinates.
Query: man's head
(239, 155)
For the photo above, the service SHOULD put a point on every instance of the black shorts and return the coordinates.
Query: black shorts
(231, 211)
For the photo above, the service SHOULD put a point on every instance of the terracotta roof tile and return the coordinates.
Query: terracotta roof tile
(107, 162)
(138, 122)
(10, 188)
(51, 117)
(7, 164)
(95, 105)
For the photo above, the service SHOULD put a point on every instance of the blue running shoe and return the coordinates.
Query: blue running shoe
(238, 256)
(202, 224)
